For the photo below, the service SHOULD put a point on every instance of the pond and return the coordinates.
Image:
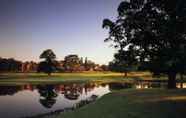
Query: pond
(18, 101)
(29, 100)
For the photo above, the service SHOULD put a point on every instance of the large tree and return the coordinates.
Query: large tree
(124, 61)
(72, 63)
(156, 29)
(47, 66)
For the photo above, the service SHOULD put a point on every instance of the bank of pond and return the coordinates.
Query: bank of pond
(40, 100)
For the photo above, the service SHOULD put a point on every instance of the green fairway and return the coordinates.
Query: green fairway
(16, 78)
(38, 78)
(151, 103)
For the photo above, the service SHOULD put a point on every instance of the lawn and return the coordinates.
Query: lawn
(38, 78)
(149, 103)
(80, 74)
(6, 78)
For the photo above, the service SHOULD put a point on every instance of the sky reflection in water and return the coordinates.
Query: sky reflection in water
(29, 100)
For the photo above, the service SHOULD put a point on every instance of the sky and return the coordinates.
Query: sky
(27, 27)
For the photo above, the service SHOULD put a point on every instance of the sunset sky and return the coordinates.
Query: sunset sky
(27, 27)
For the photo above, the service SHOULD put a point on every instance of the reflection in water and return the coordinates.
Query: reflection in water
(72, 91)
(142, 85)
(29, 100)
(181, 85)
(48, 95)
(9, 90)
(117, 86)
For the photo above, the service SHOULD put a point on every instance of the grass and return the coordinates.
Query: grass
(81, 74)
(6, 78)
(41, 78)
(151, 103)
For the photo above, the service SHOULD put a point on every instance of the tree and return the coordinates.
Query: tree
(72, 63)
(104, 67)
(7, 65)
(157, 31)
(116, 66)
(125, 60)
(89, 65)
(47, 66)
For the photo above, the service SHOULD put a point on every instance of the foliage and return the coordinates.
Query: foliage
(47, 66)
(124, 61)
(72, 63)
(48, 55)
(89, 64)
(156, 29)
(9, 65)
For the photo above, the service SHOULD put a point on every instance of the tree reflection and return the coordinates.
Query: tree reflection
(47, 95)
(9, 90)
(118, 86)
(72, 92)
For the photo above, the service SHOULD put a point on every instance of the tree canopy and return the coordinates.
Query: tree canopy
(72, 63)
(156, 30)
(48, 55)
(47, 66)
(124, 61)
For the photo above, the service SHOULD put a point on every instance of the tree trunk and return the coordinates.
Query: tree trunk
(49, 74)
(181, 82)
(125, 74)
(172, 80)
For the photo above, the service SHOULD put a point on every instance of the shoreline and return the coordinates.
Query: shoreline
(132, 103)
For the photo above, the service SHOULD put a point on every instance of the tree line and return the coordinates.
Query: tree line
(49, 64)
(71, 63)
(10, 65)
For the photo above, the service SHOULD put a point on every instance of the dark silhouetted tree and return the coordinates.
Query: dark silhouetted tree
(72, 63)
(10, 65)
(47, 66)
(124, 61)
(157, 31)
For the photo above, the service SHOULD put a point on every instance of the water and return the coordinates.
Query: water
(143, 85)
(29, 100)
